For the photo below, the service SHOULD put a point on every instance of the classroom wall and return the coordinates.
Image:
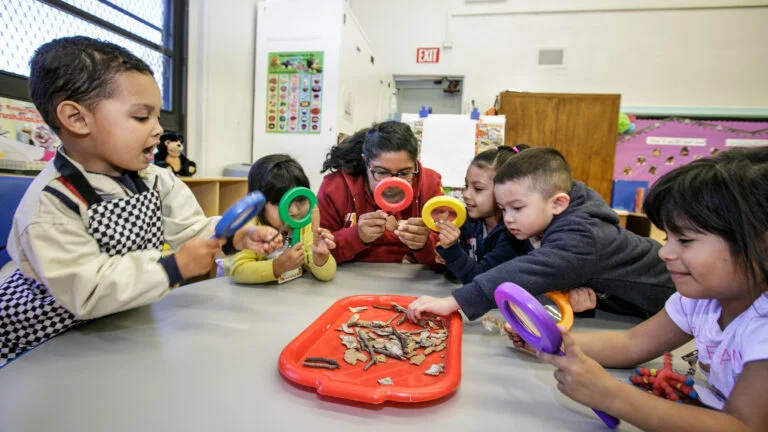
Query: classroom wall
(226, 79)
(220, 65)
(287, 26)
(660, 56)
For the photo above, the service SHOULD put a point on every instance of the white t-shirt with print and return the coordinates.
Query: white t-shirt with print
(722, 353)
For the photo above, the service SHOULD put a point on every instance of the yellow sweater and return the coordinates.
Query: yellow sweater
(250, 268)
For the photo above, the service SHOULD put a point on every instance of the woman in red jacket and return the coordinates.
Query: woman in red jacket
(363, 232)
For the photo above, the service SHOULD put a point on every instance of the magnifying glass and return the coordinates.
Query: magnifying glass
(444, 208)
(558, 307)
(295, 210)
(531, 321)
(393, 194)
(245, 209)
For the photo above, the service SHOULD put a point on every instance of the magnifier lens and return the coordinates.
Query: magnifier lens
(241, 219)
(443, 214)
(523, 319)
(393, 195)
(551, 307)
(299, 207)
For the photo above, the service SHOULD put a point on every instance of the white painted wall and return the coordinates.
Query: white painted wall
(368, 85)
(704, 55)
(226, 97)
(221, 45)
(312, 25)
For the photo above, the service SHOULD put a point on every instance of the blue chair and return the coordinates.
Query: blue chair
(11, 191)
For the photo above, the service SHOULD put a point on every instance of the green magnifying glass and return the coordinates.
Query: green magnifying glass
(295, 210)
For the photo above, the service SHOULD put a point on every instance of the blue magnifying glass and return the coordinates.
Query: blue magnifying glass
(245, 209)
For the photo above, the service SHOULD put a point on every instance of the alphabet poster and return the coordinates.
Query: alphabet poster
(295, 92)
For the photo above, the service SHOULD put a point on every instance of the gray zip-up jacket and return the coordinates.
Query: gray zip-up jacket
(583, 246)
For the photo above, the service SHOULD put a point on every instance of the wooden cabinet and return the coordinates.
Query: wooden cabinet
(217, 194)
(583, 127)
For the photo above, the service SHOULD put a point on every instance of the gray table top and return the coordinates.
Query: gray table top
(205, 358)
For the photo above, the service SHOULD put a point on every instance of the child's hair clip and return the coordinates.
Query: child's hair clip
(520, 147)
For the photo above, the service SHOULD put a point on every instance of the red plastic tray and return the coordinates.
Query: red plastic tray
(321, 339)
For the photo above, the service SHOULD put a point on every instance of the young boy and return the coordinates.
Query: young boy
(580, 243)
(88, 233)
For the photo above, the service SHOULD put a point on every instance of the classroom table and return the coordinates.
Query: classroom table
(204, 358)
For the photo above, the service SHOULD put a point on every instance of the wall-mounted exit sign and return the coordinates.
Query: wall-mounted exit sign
(427, 55)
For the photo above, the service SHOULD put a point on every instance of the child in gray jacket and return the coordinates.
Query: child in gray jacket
(580, 243)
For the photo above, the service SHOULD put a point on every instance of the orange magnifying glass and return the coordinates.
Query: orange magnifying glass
(561, 309)
(393, 194)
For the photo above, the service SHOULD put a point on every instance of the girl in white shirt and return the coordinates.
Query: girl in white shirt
(714, 213)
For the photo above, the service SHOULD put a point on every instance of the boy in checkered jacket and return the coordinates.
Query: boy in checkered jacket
(87, 236)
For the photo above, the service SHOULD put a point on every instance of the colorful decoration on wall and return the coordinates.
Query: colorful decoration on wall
(295, 92)
(20, 121)
(656, 147)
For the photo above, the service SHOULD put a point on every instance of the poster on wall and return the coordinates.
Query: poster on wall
(26, 142)
(656, 147)
(295, 92)
(490, 133)
(659, 146)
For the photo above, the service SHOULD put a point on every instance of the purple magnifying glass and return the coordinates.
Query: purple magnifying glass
(531, 321)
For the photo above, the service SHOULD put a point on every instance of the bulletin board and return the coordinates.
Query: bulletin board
(659, 146)
(295, 92)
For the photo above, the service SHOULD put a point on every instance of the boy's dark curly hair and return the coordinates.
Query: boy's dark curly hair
(78, 69)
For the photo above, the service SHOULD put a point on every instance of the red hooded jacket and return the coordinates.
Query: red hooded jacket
(343, 198)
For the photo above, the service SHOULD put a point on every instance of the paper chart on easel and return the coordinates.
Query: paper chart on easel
(448, 146)
(295, 92)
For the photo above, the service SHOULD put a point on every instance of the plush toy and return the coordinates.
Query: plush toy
(169, 155)
(666, 383)
(626, 123)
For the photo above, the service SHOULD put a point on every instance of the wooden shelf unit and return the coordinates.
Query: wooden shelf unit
(216, 194)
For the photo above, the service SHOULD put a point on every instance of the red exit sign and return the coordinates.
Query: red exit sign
(427, 55)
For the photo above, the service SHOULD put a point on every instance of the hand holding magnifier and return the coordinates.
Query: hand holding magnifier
(443, 208)
(531, 321)
(295, 210)
(245, 209)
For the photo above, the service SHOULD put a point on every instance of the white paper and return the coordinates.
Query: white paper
(448, 146)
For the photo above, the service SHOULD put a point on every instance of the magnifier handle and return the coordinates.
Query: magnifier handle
(609, 420)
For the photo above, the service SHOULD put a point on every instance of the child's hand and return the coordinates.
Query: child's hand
(439, 259)
(517, 340)
(582, 299)
(449, 233)
(413, 233)
(256, 238)
(195, 257)
(291, 259)
(438, 306)
(321, 247)
(370, 226)
(579, 377)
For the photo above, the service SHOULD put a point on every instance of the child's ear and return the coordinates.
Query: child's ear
(73, 117)
(560, 202)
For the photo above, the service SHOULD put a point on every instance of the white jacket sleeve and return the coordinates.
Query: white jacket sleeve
(183, 218)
